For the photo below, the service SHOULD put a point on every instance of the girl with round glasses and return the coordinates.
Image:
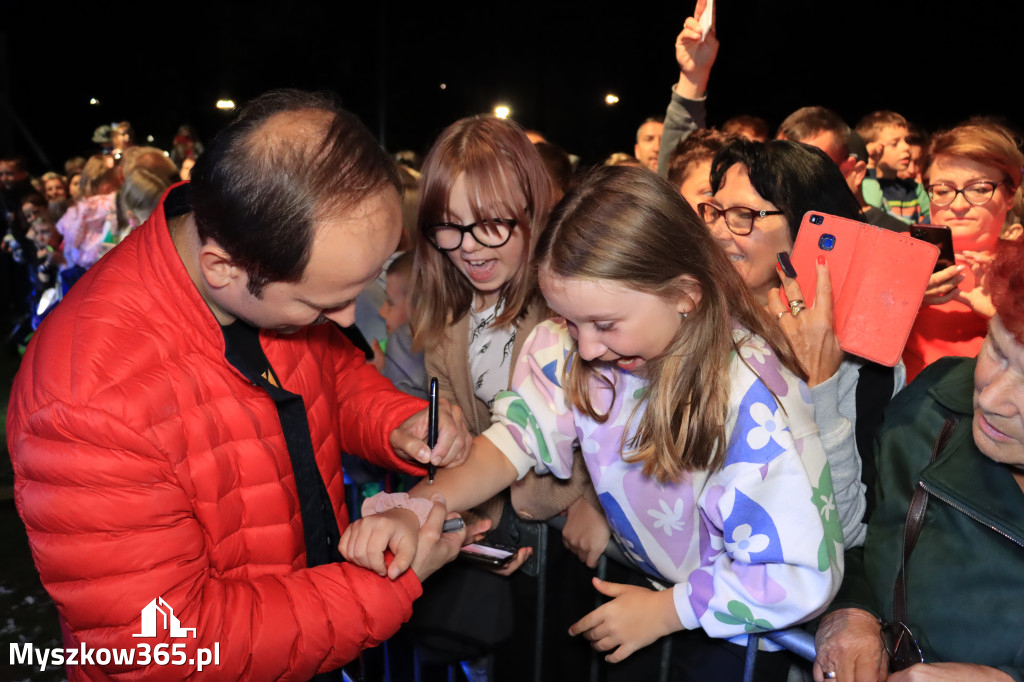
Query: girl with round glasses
(762, 191)
(974, 172)
(485, 197)
(484, 200)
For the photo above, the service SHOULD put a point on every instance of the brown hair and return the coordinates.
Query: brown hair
(152, 159)
(871, 125)
(98, 177)
(807, 122)
(263, 188)
(745, 122)
(502, 169)
(1006, 280)
(982, 142)
(628, 226)
(699, 146)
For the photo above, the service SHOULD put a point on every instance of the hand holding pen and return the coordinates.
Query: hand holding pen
(448, 446)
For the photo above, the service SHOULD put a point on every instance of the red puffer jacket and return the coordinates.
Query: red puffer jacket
(146, 466)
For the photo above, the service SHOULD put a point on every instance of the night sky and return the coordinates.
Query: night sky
(551, 62)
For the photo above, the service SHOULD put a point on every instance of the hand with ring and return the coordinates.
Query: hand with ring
(849, 647)
(809, 330)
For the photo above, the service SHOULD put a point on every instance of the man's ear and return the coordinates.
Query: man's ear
(216, 266)
(690, 293)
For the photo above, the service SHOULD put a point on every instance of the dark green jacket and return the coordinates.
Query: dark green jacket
(965, 578)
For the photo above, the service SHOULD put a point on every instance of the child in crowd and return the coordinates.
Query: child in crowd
(695, 426)
(885, 133)
(485, 196)
(401, 361)
(689, 165)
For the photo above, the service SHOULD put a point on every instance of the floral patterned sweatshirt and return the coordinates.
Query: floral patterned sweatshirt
(754, 546)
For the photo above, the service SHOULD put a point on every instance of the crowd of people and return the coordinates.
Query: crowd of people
(625, 345)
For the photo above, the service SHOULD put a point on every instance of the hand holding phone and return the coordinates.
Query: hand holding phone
(878, 281)
(810, 330)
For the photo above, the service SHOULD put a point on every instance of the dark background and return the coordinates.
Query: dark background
(552, 62)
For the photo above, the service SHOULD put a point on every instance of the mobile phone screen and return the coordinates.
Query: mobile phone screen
(488, 554)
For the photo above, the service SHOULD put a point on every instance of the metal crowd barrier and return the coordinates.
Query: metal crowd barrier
(794, 639)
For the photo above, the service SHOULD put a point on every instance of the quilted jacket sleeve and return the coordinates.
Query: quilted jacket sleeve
(371, 408)
(112, 526)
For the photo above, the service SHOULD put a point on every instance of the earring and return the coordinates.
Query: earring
(685, 314)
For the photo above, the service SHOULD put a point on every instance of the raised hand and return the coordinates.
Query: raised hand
(810, 331)
(695, 56)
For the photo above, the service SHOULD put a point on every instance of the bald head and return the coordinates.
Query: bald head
(290, 161)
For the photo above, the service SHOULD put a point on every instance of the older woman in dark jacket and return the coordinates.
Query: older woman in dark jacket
(952, 444)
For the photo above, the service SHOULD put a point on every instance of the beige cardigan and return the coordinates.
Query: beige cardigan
(533, 497)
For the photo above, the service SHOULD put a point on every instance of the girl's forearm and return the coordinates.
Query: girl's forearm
(483, 475)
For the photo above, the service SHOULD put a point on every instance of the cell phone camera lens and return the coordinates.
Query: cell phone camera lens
(817, 220)
(827, 242)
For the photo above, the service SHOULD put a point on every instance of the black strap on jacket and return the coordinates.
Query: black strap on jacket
(319, 524)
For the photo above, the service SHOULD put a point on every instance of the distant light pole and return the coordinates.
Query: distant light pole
(611, 99)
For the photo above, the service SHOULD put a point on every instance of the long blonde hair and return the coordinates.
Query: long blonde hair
(499, 164)
(628, 226)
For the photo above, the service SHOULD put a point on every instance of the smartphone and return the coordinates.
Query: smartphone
(942, 237)
(488, 555)
(878, 281)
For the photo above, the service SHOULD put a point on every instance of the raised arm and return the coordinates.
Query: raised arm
(685, 111)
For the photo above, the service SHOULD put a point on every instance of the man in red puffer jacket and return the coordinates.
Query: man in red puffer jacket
(177, 423)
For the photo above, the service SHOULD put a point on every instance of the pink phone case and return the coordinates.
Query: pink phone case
(878, 281)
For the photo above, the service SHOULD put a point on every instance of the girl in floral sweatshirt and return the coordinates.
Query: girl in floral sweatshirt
(694, 422)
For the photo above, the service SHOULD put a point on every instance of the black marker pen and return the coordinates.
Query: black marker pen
(432, 427)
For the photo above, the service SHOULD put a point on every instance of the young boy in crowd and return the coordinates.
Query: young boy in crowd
(397, 361)
(401, 363)
(885, 133)
(689, 165)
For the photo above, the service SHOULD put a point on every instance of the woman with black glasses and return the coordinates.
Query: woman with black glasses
(762, 191)
(951, 475)
(974, 172)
